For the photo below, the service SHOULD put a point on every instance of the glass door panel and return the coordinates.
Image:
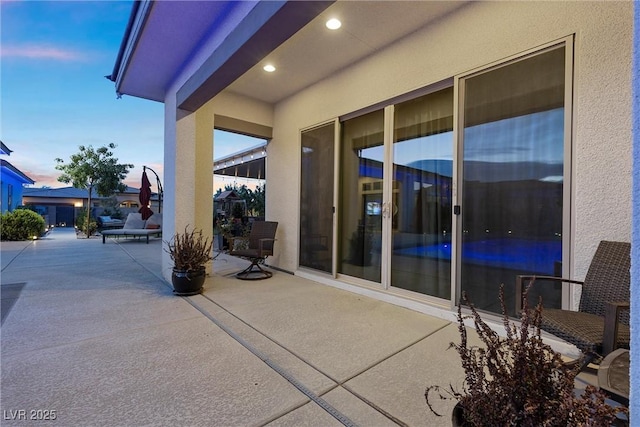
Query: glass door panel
(360, 229)
(513, 167)
(316, 198)
(421, 201)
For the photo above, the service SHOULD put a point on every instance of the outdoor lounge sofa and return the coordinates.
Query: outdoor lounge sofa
(105, 222)
(135, 226)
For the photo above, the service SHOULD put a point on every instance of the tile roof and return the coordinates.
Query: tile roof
(65, 192)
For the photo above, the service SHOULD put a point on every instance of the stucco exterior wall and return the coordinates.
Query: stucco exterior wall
(474, 36)
(16, 196)
(188, 164)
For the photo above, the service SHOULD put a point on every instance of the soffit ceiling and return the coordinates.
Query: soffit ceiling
(175, 31)
(168, 38)
(315, 52)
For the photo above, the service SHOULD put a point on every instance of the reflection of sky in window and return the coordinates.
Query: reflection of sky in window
(373, 153)
(535, 137)
(435, 147)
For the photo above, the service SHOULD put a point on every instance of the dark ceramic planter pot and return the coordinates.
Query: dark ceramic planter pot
(457, 416)
(188, 282)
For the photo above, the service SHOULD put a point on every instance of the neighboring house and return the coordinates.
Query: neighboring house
(223, 203)
(60, 206)
(12, 181)
(421, 150)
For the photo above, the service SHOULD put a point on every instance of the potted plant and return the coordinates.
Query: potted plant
(228, 229)
(223, 229)
(190, 251)
(518, 380)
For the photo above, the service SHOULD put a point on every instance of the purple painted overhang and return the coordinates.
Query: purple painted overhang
(220, 40)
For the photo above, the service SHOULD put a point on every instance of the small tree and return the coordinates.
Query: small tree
(93, 169)
(256, 204)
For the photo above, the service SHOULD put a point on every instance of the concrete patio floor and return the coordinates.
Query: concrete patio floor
(96, 335)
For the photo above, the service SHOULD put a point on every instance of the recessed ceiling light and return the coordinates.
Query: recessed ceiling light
(269, 68)
(333, 24)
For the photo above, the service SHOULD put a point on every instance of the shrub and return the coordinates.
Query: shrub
(112, 207)
(81, 223)
(21, 224)
(519, 380)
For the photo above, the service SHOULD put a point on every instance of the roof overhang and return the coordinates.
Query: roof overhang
(200, 48)
(249, 163)
(17, 174)
(164, 37)
(4, 149)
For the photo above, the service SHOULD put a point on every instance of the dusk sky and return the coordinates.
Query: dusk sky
(54, 96)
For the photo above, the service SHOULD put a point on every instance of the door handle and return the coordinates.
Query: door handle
(385, 210)
(389, 210)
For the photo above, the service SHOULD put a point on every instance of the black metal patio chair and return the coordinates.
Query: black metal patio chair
(602, 323)
(256, 248)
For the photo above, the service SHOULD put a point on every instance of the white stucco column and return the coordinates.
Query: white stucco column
(635, 242)
(188, 175)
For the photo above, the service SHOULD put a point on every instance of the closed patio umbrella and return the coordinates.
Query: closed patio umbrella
(145, 197)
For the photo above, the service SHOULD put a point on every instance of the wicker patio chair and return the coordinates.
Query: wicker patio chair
(256, 248)
(602, 323)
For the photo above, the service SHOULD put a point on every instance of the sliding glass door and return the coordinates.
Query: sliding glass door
(361, 198)
(421, 196)
(396, 198)
(316, 198)
(513, 169)
(437, 203)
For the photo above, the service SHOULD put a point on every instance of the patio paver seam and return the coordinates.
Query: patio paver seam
(389, 356)
(374, 406)
(302, 359)
(16, 256)
(343, 419)
(337, 382)
(274, 341)
(289, 411)
(8, 297)
(154, 273)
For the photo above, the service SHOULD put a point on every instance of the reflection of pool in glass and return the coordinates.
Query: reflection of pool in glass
(526, 256)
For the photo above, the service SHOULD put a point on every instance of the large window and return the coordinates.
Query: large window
(438, 203)
(316, 198)
(422, 185)
(362, 155)
(513, 168)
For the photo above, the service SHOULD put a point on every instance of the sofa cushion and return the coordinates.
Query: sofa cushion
(154, 221)
(134, 221)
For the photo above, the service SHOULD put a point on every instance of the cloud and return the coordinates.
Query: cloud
(40, 52)
(44, 179)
